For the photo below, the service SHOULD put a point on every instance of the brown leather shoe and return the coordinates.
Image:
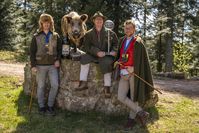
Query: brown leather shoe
(142, 117)
(107, 92)
(82, 86)
(129, 125)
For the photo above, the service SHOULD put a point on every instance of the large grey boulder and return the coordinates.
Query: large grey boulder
(80, 101)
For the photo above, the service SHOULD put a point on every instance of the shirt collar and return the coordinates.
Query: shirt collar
(130, 37)
(47, 36)
(47, 33)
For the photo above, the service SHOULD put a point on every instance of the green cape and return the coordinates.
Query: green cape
(142, 69)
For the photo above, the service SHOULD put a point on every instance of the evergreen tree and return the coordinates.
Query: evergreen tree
(7, 22)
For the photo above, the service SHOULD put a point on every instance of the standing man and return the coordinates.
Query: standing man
(45, 54)
(96, 46)
(132, 57)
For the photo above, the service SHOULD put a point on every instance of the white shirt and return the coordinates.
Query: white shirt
(124, 72)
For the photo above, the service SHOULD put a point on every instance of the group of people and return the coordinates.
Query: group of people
(128, 52)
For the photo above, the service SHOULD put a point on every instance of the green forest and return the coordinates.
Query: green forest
(169, 28)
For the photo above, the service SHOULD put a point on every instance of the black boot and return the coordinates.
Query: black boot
(42, 110)
(50, 111)
(82, 86)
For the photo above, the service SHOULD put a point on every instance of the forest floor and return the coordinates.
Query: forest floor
(176, 111)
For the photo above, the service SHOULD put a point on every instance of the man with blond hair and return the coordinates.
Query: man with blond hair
(132, 57)
(45, 54)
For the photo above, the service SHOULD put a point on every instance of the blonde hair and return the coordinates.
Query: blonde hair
(129, 22)
(46, 18)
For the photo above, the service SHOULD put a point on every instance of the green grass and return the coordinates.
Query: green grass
(177, 114)
(12, 57)
(174, 113)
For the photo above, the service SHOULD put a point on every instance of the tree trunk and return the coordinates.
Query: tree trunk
(117, 22)
(145, 12)
(25, 23)
(159, 53)
(169, 40)
(169, 53)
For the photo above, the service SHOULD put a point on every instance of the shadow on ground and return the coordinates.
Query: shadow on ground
(72, 122)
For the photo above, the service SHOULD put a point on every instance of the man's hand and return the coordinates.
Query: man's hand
(130, 69)
(113, 53)
(101, 54)
(34, 70)
(57, 64)
(139, 39)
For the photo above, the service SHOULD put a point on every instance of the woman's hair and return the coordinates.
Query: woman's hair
(46, 18)
(129, 21)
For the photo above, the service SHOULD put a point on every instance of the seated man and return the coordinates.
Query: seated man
(96, 45)
(132, 57)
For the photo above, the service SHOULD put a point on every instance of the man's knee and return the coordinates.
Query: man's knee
(54, 85)
(40, 81)
(40, 85)
(106, 60)
(121, 98)
(86, 58)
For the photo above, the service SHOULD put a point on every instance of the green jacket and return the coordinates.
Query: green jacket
(142, 69)
(92, 44)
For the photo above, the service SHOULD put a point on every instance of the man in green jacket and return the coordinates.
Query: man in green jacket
(45, 54)
(96, 46)
(133, 58)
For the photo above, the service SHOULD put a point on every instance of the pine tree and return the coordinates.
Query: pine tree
(7, 22)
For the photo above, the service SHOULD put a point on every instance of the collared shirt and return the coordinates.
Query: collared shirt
(98, 34)
(47, 36)
(127, 43)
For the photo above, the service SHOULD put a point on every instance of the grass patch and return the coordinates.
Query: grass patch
(172, 114)
(177, 116)
(10, 56)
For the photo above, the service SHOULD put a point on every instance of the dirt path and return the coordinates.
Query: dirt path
(185, 87)
(12, 69)
(188, 88)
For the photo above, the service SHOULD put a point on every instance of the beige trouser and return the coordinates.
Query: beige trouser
(125, 83)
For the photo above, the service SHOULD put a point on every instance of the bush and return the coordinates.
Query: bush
(182, 57)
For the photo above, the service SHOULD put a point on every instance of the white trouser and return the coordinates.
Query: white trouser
(84, 72)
